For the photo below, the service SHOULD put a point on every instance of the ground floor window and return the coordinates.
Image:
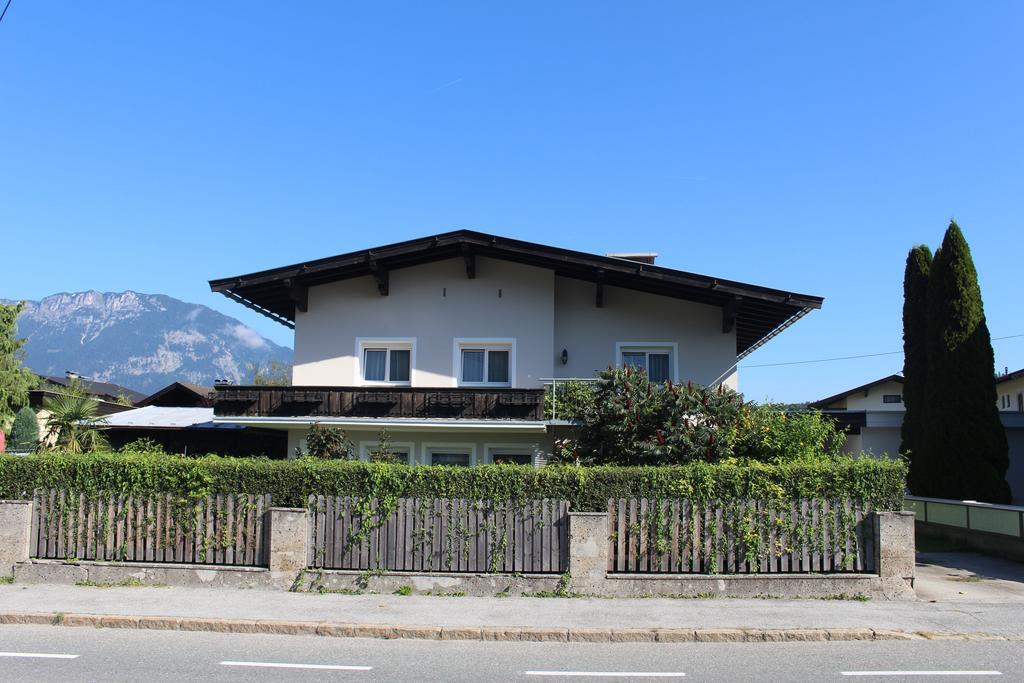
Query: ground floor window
(453, 455)
(510, 454)
(402, 450)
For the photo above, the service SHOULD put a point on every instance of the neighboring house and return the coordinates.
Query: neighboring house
(107, 397)
(448, 341)
(873, 416)
(1010, 388)
(179, 395)
(104, 391)
(191, 430)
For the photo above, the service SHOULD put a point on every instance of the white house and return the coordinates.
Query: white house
(448, 341)
(873, 415)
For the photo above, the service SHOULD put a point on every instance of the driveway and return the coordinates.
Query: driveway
(947, 576)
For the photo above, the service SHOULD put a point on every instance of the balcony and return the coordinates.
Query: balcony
(383, 402)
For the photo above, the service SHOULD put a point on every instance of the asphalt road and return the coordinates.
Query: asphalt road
(110, 654)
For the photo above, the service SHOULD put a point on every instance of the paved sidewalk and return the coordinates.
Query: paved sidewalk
(956, 617)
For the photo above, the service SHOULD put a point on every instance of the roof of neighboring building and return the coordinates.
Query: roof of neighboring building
(155, 417)
(36, 396)
(823, 403)
(757, 313)
(1010, 376)
(99, 388)
(189, 395)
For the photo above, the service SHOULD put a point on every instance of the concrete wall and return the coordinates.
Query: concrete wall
(589, 334)
(434, 303)
(481, 443)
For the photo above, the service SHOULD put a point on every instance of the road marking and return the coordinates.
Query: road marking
(610, 674)
(36, 655)
(284, 665)
(922, 673)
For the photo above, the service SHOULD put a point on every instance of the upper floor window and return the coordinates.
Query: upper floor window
(485, 362)
(386, 361)
(892, 398)
(658, 360)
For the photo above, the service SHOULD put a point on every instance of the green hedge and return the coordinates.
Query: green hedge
(880, 483)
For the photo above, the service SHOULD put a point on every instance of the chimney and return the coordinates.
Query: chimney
(71, 374)
(647, 257)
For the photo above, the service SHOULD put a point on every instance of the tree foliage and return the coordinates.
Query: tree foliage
(965, 447)
(625, 419)
(915, 358)
(271, 373)
(328, 443)
(73, 423)
(15, 379)
(25, 432)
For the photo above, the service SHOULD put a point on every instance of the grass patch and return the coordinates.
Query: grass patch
(404, 590)
(5, 580)
(324, 590)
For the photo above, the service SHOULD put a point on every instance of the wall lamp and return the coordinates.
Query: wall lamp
(565, 356)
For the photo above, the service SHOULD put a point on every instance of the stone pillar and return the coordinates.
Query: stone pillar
(15, 532)
(895, 553)
(588, 551)
(288, 538)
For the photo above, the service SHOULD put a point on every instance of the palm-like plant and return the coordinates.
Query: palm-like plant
(73, 423)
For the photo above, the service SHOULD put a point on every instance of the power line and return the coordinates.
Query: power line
(866, 355)
(2, 14)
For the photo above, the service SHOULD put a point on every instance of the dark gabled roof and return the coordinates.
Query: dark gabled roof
(760, 312)
(92, 388)
(36, 397)
(1010, 376)
(849, 392)
(178, 395)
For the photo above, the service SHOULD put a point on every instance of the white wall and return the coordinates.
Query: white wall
(435, 303)
(873, 399)
(1009, 389)
(589, 334)
(478, 441)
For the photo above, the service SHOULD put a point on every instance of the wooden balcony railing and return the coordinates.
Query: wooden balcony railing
(394, 402)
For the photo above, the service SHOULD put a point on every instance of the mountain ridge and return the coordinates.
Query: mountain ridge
(139, 340)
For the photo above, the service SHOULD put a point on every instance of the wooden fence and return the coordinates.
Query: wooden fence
(218, 530)
(748, 537)
(439, 534)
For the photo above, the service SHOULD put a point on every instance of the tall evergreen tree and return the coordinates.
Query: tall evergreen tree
(15, 378)
(965, 443)
(25, 432)
(915, 362)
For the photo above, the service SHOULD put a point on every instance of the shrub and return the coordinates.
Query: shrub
(329, 443)
(766, 432)
(879, 483)
(25, 432)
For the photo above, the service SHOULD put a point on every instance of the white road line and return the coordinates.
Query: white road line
(283, 665)
(921, 673)
(610, 674)
(36, 655)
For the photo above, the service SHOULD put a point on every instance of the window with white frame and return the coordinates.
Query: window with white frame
(386, 361)
(485, 362)
(453, 455)
(401, 450)
(656, 359)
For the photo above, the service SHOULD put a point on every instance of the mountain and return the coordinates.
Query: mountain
(140, 341)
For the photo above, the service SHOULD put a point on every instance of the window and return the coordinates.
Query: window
(1020, 403)
(403, 450)
(892, 398)
(485, 362)
(657, 360)
(510, 455)
(386, 361)
(450, 454)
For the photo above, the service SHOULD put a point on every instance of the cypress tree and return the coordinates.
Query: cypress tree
(965, 443)
(915, 362)
(25, 433)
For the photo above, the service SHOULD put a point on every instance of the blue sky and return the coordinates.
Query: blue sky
(153, 146)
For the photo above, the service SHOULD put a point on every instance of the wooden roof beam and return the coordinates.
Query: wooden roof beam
(470, 258)
(298, 293)
(380, 276)
(729, 313)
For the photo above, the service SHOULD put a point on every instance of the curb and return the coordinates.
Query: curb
(490, 633)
